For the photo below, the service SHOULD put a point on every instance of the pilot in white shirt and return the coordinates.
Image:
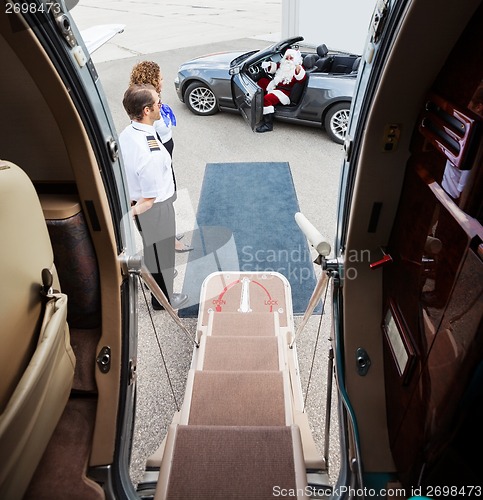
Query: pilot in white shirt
(151, 187)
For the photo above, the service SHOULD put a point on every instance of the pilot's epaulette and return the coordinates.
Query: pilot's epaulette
(152, 143)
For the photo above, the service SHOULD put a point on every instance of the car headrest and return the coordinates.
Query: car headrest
(309, 61)
(324, 64)
(322, 50)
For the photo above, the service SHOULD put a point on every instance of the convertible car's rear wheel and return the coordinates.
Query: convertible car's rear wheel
(200, 99)
(336, 121)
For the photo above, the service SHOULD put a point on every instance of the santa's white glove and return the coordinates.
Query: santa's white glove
(266, 64)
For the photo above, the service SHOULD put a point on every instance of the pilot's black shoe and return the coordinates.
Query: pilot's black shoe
(267, 125)
(177, 300)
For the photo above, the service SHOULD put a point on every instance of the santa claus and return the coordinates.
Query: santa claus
(287, 73)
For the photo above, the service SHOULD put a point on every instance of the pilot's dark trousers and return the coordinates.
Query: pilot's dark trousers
(158, 231)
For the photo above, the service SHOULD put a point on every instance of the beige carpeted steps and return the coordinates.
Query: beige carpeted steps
(236, 435)
(240, 353)
(244, 324)
(237, 398)
(239, 463)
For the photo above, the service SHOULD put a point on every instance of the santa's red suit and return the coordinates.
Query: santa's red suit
(287, 73)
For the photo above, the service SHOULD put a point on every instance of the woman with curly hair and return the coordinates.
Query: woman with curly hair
(149, 72)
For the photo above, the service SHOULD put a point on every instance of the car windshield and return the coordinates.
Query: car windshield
(267, 51)
(238, 60)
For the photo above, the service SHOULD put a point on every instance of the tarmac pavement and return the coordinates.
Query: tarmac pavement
(171, 34)
(153, 26)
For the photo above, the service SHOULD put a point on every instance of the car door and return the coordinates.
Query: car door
(248, 97)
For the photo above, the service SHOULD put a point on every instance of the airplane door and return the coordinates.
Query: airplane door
(431, 316)
(432, 313)
(433, 291)
(248, 98)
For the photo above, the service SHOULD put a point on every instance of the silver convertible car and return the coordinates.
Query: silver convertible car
(227, 81)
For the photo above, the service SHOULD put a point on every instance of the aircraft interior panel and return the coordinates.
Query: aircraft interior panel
(48, 139)
(433, 300)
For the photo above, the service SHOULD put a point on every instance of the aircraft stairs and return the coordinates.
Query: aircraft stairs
(241, 432)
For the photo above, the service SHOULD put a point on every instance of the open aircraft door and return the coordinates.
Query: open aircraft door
(68, 355)
(407, 295)
(248, 97)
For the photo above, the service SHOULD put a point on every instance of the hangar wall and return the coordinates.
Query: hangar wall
(340, 24)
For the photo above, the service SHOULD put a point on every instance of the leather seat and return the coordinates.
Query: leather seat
(36, 359)
(324, 61)
(309, 62)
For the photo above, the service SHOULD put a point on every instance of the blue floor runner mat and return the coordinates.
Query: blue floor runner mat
(246, 223)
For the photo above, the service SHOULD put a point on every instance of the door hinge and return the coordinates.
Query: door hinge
(130, 264)
(132, 372)
(112, 148)
(379, 19)
(347, 149)
(64, 26)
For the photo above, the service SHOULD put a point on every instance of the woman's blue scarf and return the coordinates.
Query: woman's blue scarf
(168, 115)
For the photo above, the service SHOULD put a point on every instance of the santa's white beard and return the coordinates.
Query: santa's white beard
(284, 73)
